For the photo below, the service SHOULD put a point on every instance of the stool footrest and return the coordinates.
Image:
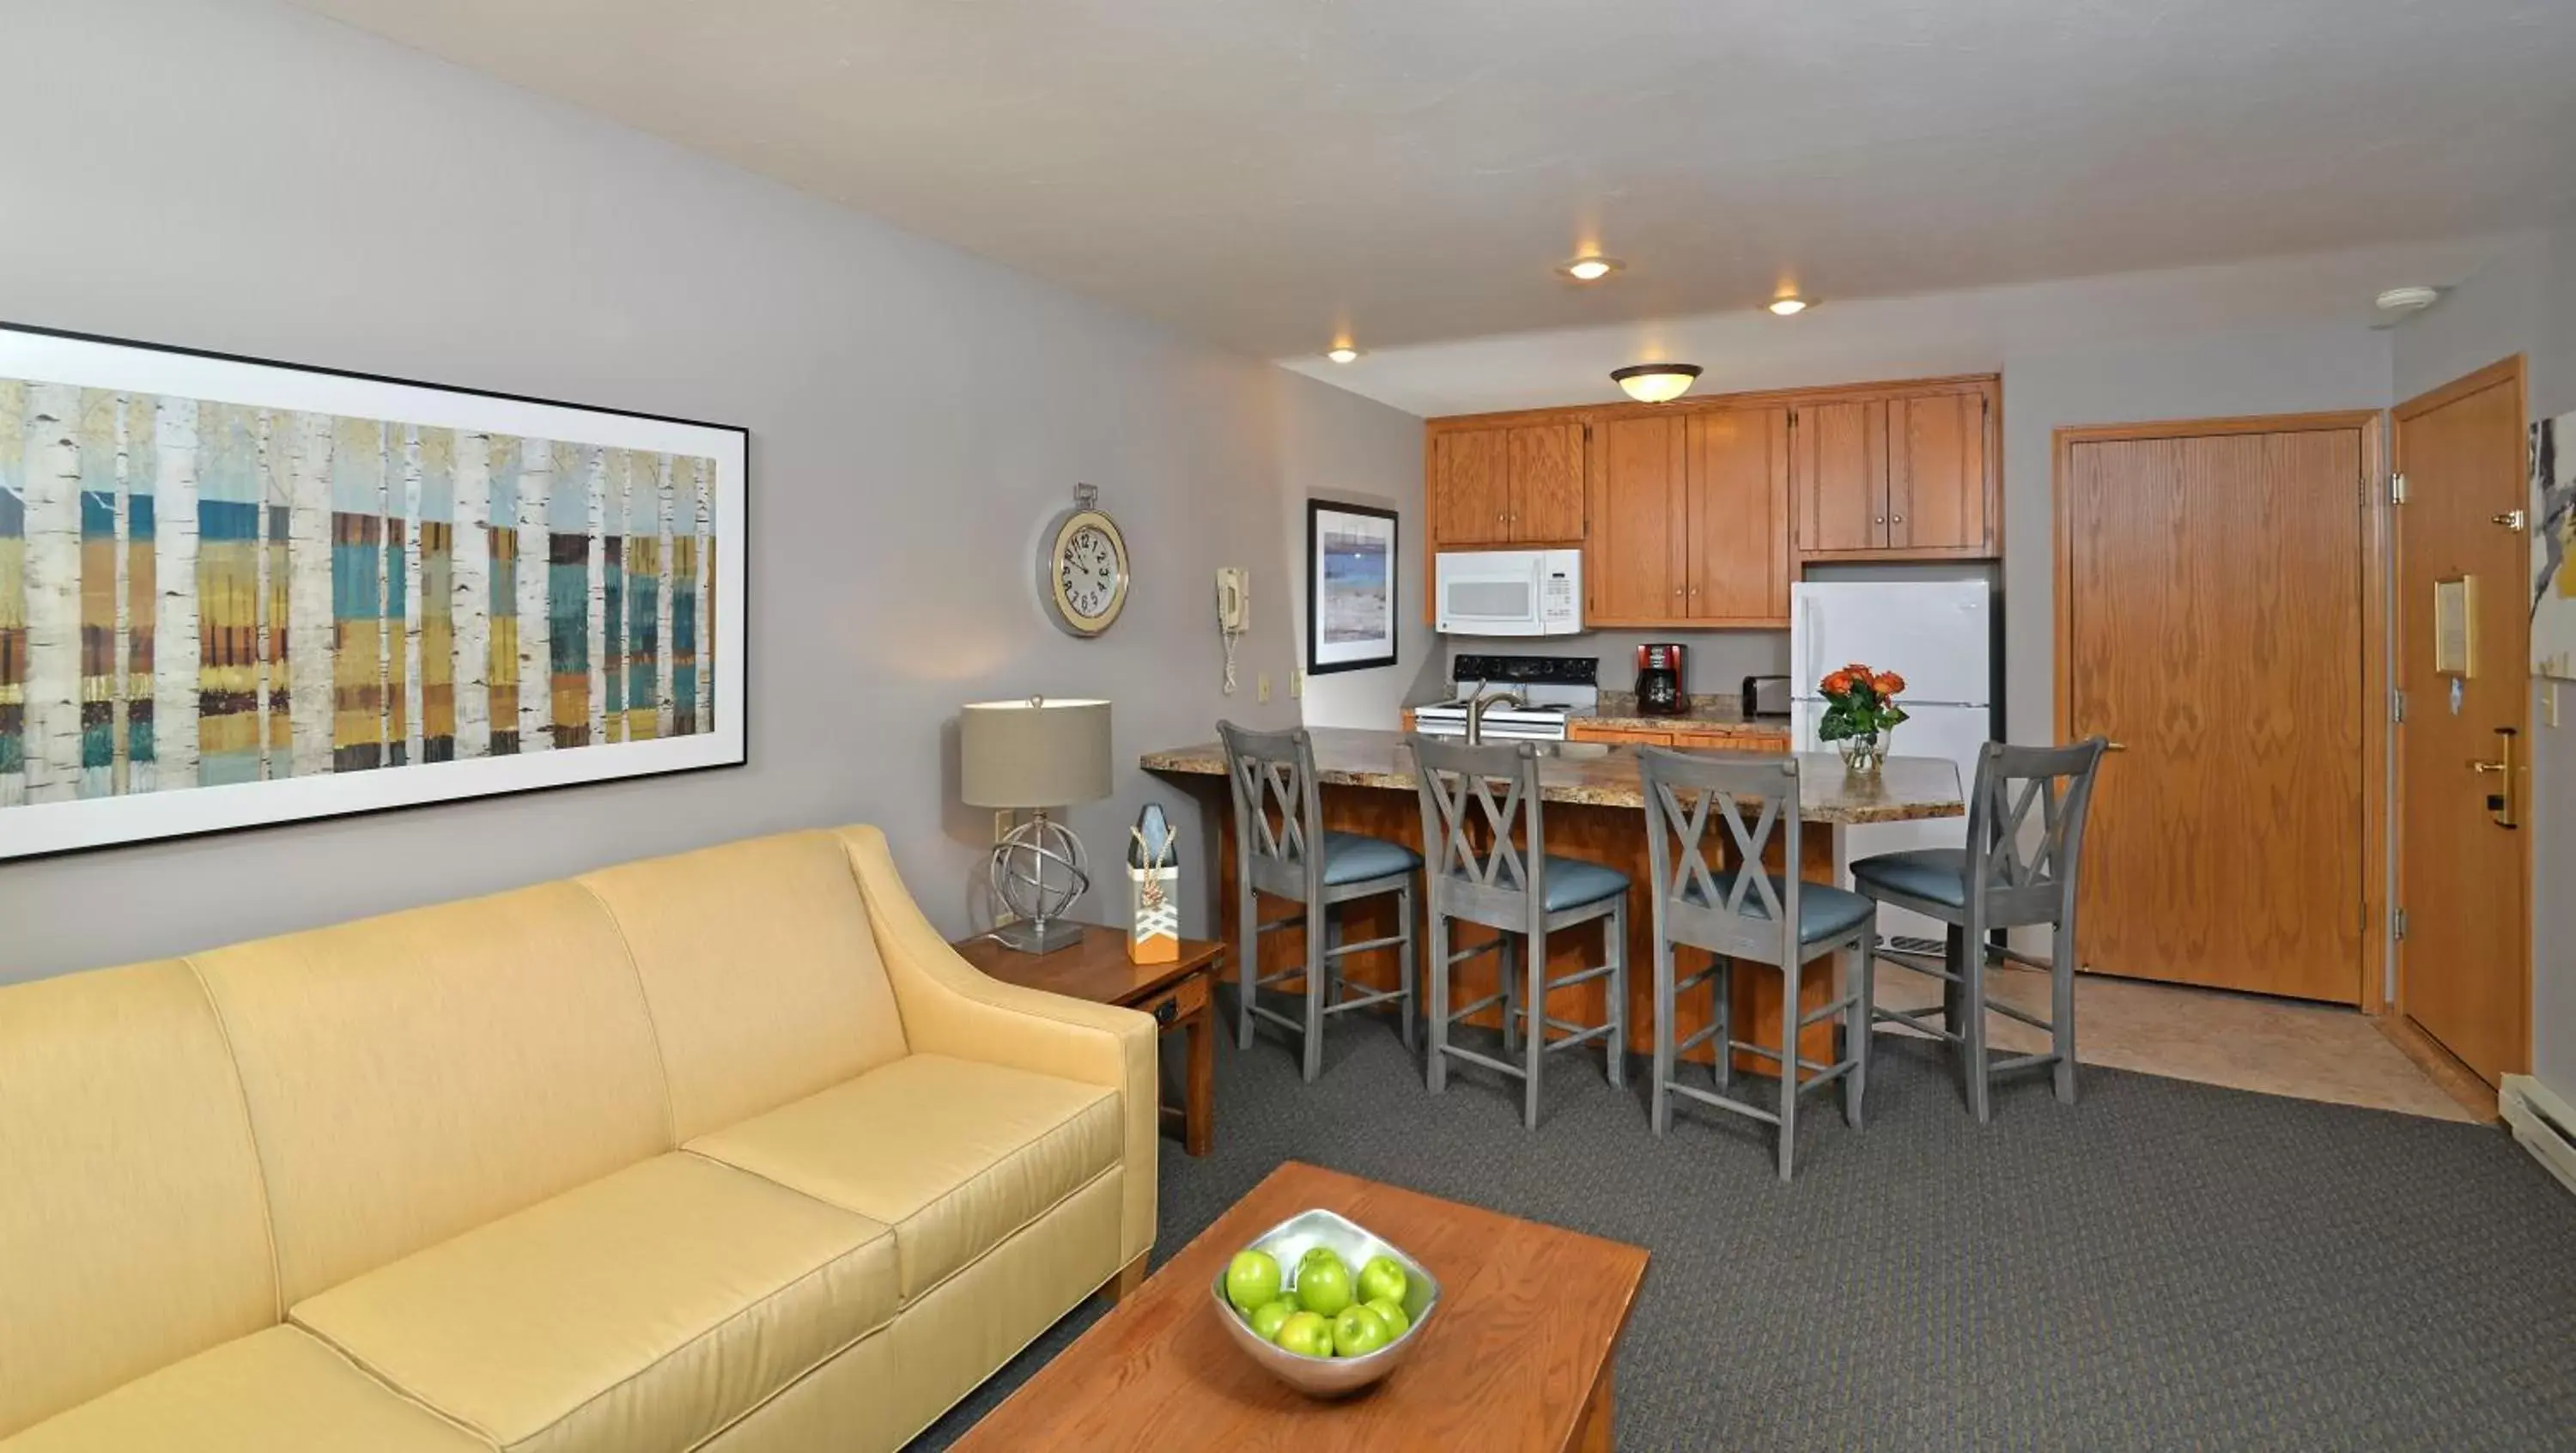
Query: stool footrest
(1587, 976)
(1390, 941)
(1488, 1061)
(1275, 1017)
(1574, 1034)
(1724, 1102)
(1479, 1007)
(1919, 963)
(1913, 1021)
(1694, 1041)
(1364, 1001)
(1293, 920)
(1827, 1011)
(2019, 1062)
(1473, 949)
(2010, 1011)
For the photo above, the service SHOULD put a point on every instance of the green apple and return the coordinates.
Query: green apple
(1324, 1287)
(1251, 1279)
(1267, 1317)
(1382, 1278)
(1390, 1312)
(1357, 1332)
(1307, 1334)
(1318, 1253)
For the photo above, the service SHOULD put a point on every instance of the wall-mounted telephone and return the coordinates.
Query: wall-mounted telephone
(1233, 613)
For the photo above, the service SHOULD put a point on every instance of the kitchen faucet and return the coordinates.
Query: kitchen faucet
(1484, 699)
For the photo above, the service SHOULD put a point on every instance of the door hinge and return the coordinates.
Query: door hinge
(2397, 489)
(2397, 706)
(2397, 923)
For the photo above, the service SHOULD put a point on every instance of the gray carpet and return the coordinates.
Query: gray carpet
(2163, 1265)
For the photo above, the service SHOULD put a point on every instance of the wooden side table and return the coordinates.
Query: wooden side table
(1181, 996)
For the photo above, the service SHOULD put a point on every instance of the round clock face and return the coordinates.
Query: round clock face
(1083, 572)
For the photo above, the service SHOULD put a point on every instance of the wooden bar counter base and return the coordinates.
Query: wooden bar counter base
(1517, 1356)
(1180, 994)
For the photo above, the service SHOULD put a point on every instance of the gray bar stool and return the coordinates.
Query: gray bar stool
(1513, 884)
(1281, 848)
(2006, 889)
(1743, 912)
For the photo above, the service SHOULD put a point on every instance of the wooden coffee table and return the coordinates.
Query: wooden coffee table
(1181, 996)
(1518, 1355)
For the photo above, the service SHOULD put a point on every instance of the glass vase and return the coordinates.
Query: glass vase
(1863, 753)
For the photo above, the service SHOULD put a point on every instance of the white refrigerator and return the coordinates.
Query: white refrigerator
(1939, 636)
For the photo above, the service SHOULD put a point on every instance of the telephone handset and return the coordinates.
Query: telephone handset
(1233, 613)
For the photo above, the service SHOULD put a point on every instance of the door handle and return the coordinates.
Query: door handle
(2500, 802)
(2115, 746)
(2510, 519)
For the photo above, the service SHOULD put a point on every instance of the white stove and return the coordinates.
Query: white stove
(1555, 688)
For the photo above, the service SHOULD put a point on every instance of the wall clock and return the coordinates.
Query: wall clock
(1082, 567)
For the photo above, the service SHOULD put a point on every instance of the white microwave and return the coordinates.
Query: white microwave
(1509, 592)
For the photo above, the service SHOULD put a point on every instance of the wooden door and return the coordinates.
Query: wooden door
(2211, 622)
(1842, 476)
(1739, 516)
(1635, 561)
(1470, 487)
(2463, 876)
(1936, 473)
(1546, 505)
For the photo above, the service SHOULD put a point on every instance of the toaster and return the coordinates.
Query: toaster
(1766, 696)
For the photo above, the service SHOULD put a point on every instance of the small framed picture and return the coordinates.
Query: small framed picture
(1350, 587)
(2455, 626)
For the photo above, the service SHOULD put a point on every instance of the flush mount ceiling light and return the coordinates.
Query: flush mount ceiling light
(1789, 306)
(1342, 353)
(1590, 268)
(1655, 383)
(2408, 300)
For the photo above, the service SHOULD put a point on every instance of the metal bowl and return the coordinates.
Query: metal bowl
(1331, 1377)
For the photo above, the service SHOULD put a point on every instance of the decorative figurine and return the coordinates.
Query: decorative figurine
(1155, 935)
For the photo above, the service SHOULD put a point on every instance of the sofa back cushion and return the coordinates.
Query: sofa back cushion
(414, 1076)
(132, 1231)
(761, 972)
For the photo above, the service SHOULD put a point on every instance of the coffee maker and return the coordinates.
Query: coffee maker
(1659, 680)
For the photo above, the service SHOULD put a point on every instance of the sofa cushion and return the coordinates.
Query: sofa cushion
(132, 1231)
(955, 1155)
(641, 1312)
(760, 970)
(278, 1391)
(414, 1076)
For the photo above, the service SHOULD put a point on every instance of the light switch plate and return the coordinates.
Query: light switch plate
(1297, 686)
(1261, 687)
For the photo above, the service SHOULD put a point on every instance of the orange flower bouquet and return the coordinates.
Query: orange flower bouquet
(1860, 711)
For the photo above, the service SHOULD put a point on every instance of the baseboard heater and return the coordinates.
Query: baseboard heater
(2544, 1123)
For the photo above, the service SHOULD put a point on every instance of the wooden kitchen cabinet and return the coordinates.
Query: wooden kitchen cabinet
(1517, 485)
(1690, 520)
(1909, 476)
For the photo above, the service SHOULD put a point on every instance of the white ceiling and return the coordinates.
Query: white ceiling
(1266, 172)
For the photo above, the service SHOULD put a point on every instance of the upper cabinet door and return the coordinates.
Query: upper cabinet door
(1739, 516)
(1470, 477)
(1842, 476)
(1546, 483)
(1936, 490)
(1635, 561)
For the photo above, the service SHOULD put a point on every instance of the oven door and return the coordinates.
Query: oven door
(1490, 593)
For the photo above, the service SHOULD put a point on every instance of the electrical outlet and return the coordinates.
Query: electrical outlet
(1296, 682)
(1003, 821)
(1261, 687)
(2551, 706)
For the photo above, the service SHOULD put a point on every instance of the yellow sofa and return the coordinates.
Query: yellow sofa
(721, 1151)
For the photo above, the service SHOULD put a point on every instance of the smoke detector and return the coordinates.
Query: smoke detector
(2408, 300)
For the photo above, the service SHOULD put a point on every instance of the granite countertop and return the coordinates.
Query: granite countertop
(1600, 775)
(1713, 715)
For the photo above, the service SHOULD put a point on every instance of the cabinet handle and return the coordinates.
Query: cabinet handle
(1896, 519)
(1878, 519)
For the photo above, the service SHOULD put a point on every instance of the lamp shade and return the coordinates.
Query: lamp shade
(1039, 752)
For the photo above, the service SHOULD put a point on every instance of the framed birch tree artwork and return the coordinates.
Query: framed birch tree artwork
(235, 592)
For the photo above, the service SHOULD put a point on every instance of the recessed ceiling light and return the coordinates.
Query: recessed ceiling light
(2408, 300)
(1785, 307)
(1655, 383)
(1342, 353)
(1590, 268)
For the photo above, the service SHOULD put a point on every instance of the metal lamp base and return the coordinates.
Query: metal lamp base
(1037, 874)
(1039, 935)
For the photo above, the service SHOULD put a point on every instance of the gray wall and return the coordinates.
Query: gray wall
(234, 175)
(1335, 445)
(2525, 302)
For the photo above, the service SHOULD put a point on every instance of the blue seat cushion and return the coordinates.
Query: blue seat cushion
(1573, 883)
(1935, 875)
(1351, 857)
(1823, 909)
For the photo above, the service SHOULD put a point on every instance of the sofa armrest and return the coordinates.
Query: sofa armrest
(949, 1007)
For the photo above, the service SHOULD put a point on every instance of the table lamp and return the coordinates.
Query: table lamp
(1033, 755)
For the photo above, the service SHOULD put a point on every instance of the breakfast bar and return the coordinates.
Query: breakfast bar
(1595, 811)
